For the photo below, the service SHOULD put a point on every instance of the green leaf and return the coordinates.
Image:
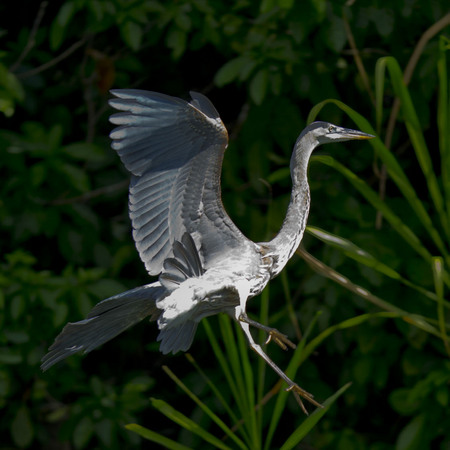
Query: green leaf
(85, 151)
(105, 288)
(383, 20)
(104, 430)
(83, 432)
(335, 34)
(9, 356)
(132, 35)
(205, 409)
(358, 254)
(236, 353)
(402, 229)
(410, 437)
(156, 437)
(309, 423)
(401, 401)
(294, 365)
(443, 117)
(187, 423)
(17, 306)
(11, 91)
(422, 153)
(232, 70)
(76, 177)
(16, 337)
(394, 169)
(21, 428)
(437, 266)
(59, 25)
(267, 5)
(417, 320)
(258, 86)
(224, 365)
(286, 4)
(176, 40)
(321, 8)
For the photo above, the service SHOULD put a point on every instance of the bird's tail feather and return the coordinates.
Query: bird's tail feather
(186, 263)
(179, 338)
(106, 320)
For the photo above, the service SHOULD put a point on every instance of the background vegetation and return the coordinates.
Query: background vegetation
(369, 307)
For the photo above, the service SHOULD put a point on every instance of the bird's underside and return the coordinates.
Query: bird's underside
(173, 150)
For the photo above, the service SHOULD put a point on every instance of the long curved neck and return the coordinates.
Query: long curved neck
(286, 242)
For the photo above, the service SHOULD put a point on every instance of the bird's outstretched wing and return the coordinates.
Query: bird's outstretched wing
(174, 151)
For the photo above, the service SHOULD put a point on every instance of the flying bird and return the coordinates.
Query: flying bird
(174, 150)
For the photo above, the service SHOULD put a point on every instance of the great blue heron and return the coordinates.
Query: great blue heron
(174, 150)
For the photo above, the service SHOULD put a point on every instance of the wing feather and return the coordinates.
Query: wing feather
(174, 151)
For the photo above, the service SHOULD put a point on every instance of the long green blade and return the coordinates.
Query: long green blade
(312, 420)
(232, 382)
(358, 254)
(416, 136)
(443, 118)
(393, 167)
(224, 364)
(372, 197)
(214, 388)
(220, 423)
(155, 437)
(187, 423)
(321, 268)
(291, 371)
(438, 265)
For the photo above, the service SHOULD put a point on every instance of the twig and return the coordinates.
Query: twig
(31, 38)
(407, 75)
(357, 57)
(91, 194)
(54, 61)
(242, 117)
(87, 95)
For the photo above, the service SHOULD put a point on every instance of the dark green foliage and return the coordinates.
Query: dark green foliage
(66, 242)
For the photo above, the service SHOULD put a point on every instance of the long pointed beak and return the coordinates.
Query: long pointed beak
(348, 133)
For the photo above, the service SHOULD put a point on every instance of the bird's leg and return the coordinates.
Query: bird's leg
(273, 334)
(245, 322)
(293, 387)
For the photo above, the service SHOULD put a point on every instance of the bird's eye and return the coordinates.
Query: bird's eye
(331, 129)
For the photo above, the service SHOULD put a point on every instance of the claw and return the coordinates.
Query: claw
(280, 339)
(299, 392)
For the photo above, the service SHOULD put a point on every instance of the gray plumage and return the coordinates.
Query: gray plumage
(174, 150)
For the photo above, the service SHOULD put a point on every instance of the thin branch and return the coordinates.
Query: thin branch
(31, 38)
(427, 36)
(91, 194)
(87, 95)
(54, 61)
(357, 57)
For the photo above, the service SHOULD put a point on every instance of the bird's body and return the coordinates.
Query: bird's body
(174, 150)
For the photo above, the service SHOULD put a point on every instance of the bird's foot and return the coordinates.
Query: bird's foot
(279, 338)
(299, 393)
(272, 333)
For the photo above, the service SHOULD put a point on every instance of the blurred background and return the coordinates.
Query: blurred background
(379, 215)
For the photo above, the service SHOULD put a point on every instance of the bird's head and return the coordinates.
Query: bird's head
(315, 134)
(325, 133)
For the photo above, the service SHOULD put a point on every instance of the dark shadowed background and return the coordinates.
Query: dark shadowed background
(65, 240)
